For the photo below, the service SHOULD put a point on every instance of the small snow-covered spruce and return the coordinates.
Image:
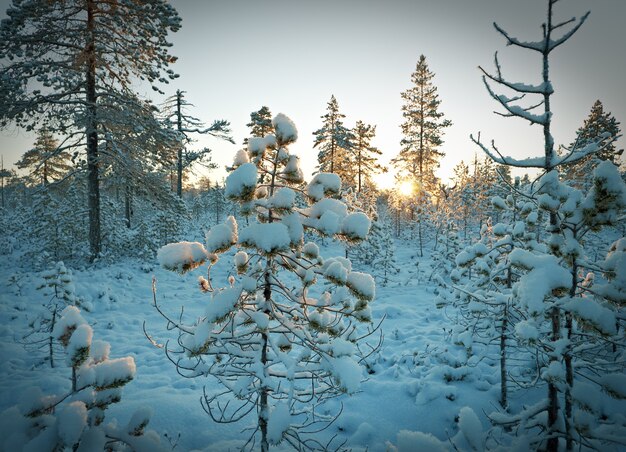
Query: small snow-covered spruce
(58, 284)
(278, 349)
(76, 420)
(573, 329)
(484, 282)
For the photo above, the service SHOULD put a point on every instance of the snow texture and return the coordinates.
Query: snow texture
(323, 184)
(417, 441)
(278, 423)
(286, 131)
(182, 255)
(71, 421)
(222, 303)
(267, 237)
(356, 226)
(545, 275)
(362, 285)
(240, 184)
(222, 236)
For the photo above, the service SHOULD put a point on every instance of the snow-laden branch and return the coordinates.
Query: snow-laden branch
(516, 110)
(496, 156)
(566, 36)
(543, 88)
(546, 45)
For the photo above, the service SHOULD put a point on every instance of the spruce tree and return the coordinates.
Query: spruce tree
(334, 141)
(598, 123)
(365, 155)
(46, 162)
(177, 112)
(260, 123)
(423, 129)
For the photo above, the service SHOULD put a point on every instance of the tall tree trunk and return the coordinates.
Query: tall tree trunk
(93, 182)
(555, 316)
(263, 405)
(569, 370)
(179, 126)
(2, 177)
(128, 205)
(419, 233)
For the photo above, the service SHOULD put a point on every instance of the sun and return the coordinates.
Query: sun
(406, 188)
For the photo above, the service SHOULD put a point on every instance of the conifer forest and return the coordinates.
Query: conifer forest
(347, 226)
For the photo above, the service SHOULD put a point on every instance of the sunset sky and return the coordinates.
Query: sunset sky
(292, 55)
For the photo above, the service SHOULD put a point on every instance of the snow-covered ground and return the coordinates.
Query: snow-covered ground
(419, 379)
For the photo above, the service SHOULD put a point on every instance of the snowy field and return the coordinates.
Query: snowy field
(419, 380)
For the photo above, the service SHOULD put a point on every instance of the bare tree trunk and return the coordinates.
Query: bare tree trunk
(569, 371)
(419, 233)
(51, 339)
(263, 405)
(503, 379)
(179, 163)
(128, 206)
(93, 182)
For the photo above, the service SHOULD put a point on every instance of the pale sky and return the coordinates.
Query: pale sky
(292, 55)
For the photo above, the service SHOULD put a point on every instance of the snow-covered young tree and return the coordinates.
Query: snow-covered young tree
(558, 316)
(279, 343)
(75, 420)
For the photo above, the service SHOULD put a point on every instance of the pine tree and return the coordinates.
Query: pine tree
(366, 155)
(109, 45)
(334, 141)
(423, 129)
(260, 123)
(279, 350)
(46, 162)
(595, 126)
(176, 110)
(555, 308)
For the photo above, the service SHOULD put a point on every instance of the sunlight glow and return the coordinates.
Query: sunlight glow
(406, 188)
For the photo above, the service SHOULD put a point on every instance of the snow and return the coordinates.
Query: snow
(112, 372)
(311, 250)
(470, 426)
(269, 237)
(417, 441)
(240, 184)
(545, 275)
(362, 285)
(71, 421)
(336, 273)
(347, 372)
(278, 423)
(241, 157)
(79, 343)
(420, 380)
(356, 225)
(182, 255)
(614, 384)
(593, 313)
(221, 236)
(323, 184)
(286, 131)
(222, 303)
(284, 198)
